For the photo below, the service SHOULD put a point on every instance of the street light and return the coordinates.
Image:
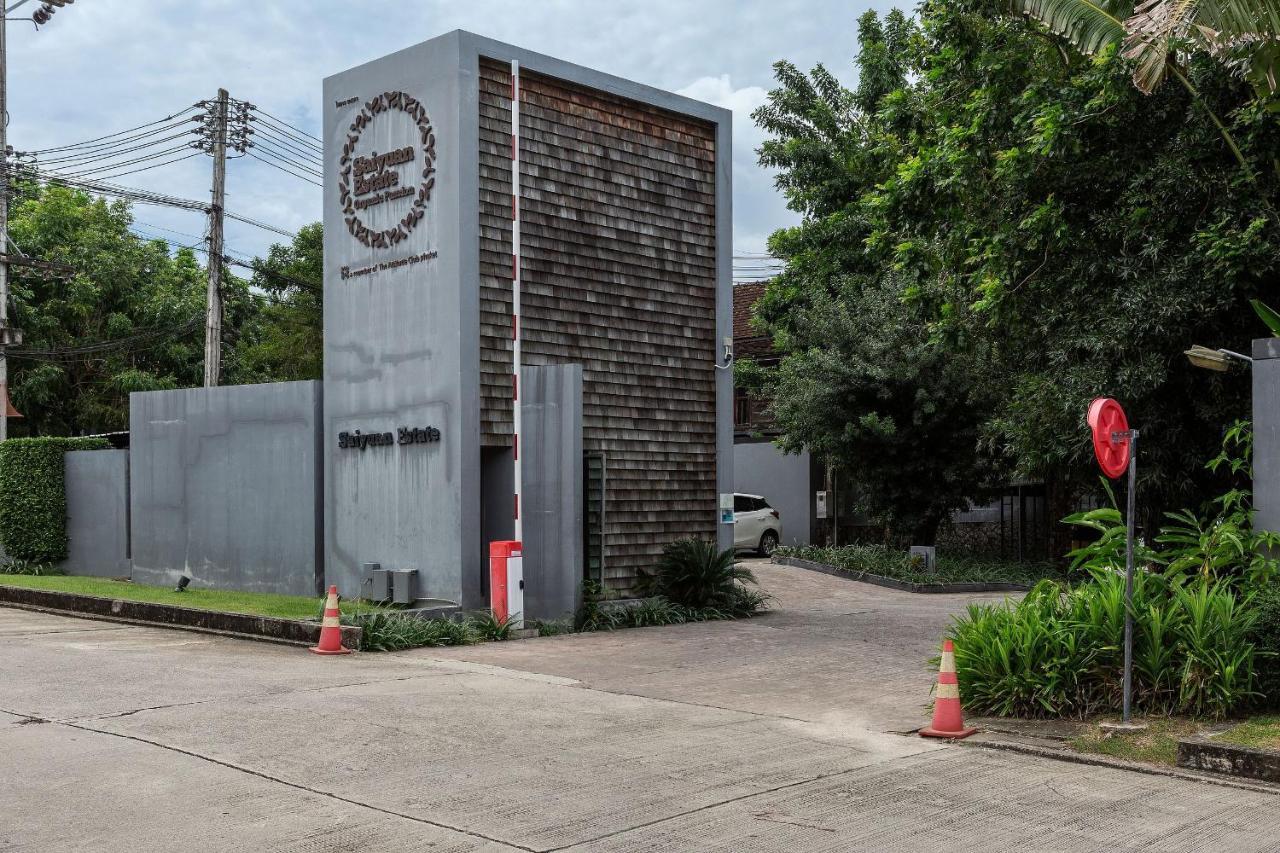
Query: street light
(1214, 359)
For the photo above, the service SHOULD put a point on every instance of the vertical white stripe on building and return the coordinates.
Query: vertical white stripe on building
(516, 331)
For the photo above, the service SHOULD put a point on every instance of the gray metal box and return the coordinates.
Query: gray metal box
(924, 557)
(377, 582)
(404, 586)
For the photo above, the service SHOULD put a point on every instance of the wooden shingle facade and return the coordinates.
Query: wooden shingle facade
(619, 267)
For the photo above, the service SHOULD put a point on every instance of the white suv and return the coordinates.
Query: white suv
(756, 525)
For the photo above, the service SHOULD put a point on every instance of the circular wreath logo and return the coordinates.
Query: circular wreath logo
(368, 182)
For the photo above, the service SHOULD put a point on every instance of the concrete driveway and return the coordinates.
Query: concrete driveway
(773, 734)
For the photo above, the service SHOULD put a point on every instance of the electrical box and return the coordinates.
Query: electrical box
(924, 557)
(404, 586)
(377, 582)
(820, 501)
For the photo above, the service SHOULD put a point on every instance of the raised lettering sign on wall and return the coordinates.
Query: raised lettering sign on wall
(358, 440)
(401, 178)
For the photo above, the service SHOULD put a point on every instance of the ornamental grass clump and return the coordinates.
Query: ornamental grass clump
(1059, 651)
(694, 574)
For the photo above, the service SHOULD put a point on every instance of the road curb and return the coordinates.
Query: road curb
(904, 586)
(1118, 764)
(1219, 757)
(243, 626)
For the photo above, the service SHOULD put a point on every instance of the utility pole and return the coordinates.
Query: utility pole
(9, 336)
(4, 231)
(213, 307)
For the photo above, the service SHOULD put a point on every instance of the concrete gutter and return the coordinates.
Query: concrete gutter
(891, 583)
(241, 625)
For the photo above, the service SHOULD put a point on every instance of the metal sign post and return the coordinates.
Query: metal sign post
(1116, 447)
(1130, 507)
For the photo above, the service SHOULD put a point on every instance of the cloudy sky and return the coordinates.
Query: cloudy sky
(105, 65)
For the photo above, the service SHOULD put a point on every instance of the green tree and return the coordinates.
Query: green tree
(867, 384)
(1059, 234)
(127, 317)
(284, 339)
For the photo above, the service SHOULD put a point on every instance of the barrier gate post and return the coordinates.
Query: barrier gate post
(506, 582)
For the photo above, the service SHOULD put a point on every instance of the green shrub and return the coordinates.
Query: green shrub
(693, 574)
(389, 631)
(894, 563)
(489, 628)
(595, 615)
(24, 567)
(1266, 637)
(1059, 652)
(33, 496)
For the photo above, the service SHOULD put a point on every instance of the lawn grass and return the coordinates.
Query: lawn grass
(1259, 733)
(951, 568)
(231, 601)
(1157, 745)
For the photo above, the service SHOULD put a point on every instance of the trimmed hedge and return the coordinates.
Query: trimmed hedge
(33, 496)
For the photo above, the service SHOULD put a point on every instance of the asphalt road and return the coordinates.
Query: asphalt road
(775, 734)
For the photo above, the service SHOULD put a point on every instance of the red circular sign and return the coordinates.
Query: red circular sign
(1105, 419)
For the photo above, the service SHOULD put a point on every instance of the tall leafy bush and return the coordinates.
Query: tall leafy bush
(1266, 637)
(33, 496)
(1059, 652)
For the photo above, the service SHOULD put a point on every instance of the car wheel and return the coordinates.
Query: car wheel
(768, 543)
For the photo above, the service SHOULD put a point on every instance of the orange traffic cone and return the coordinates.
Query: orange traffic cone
(947, 720)
(331, 628)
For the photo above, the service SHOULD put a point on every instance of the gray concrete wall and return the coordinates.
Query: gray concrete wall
(551, 456)
(760, 468)
(1266, 433)
(97, 513)
(225, 487)
(401, 346)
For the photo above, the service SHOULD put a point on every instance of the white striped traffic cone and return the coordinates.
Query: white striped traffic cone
(331, 628)
(948, 722)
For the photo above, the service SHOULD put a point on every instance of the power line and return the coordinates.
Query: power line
(284, 126)
(123, 146)
(111, 135)
(288, 144)
(265, 145)
(284, 169)
(68, 354)
(103, 188)
(255, 265)
(264, 226)
(155, 166)
(107, 167)
(136, 195)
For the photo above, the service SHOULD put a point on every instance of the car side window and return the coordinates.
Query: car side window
(764, 504)
(741, 504)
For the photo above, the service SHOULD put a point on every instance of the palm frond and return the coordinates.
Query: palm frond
(1151, 33)
(1244, 35)
(1090, 25)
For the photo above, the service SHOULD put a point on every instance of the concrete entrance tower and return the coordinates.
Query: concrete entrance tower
(414, 332)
